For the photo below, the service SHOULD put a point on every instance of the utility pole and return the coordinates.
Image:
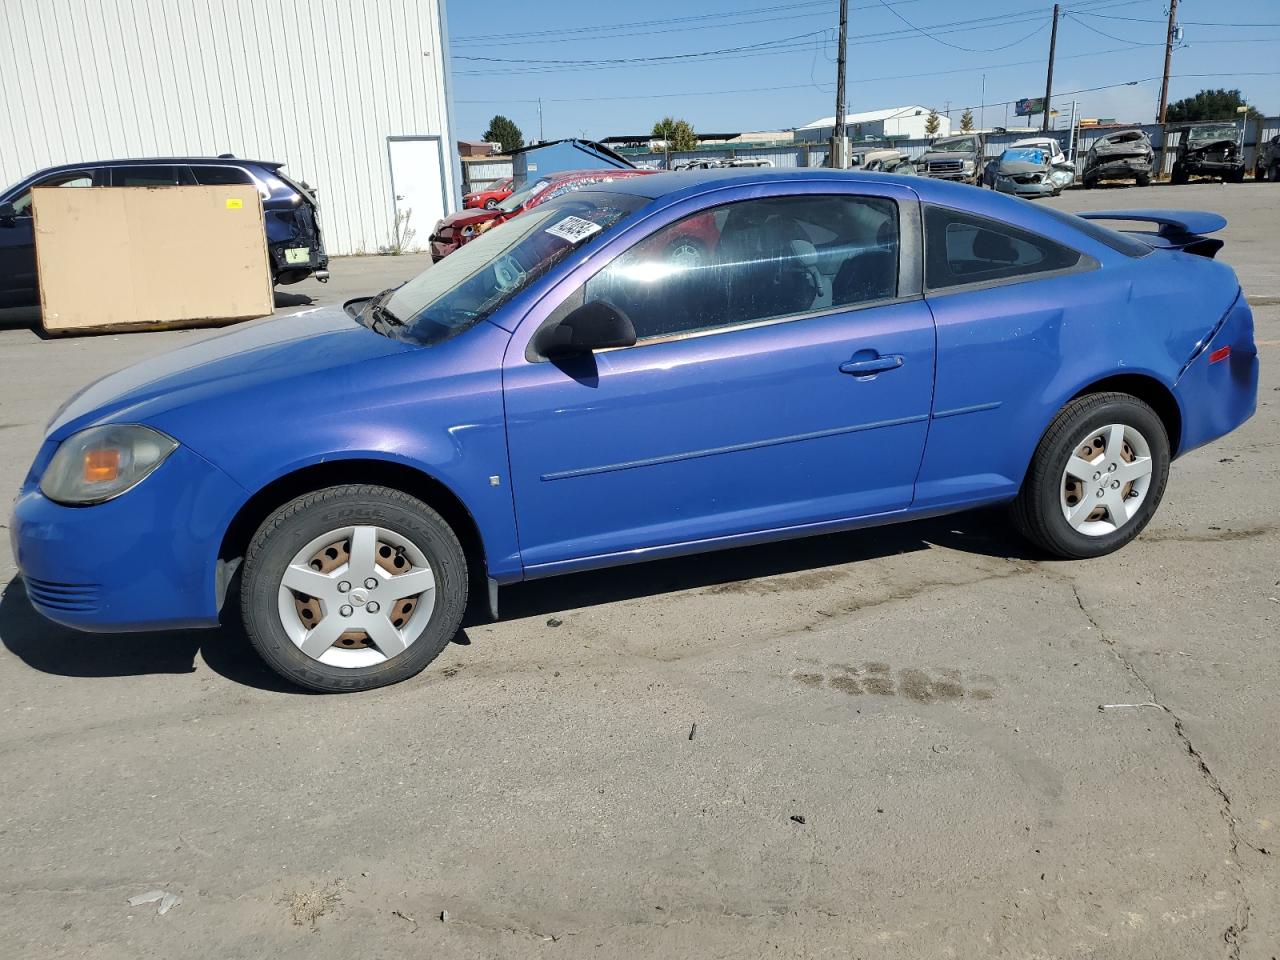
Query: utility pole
(982, 105)
(541, 137)
(1168, 59)
(1048, 83)
(839, 158)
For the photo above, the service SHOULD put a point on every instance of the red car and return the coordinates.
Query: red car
(455, 230)
(489, 199)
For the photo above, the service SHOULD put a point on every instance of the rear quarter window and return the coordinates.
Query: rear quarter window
(963, 249)
(219, 176)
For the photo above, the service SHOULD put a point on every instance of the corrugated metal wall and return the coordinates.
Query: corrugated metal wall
(319, 85)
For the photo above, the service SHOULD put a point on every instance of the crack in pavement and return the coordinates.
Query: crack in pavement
(1234, 933)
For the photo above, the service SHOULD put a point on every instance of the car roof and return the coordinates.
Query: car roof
(689, 183)
(152, 161)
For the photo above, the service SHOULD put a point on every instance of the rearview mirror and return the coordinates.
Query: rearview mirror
(597, 325)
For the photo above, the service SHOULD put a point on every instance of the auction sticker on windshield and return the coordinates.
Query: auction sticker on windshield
(573, 229)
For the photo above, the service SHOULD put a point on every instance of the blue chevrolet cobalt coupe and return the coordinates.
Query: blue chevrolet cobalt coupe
(657, 366)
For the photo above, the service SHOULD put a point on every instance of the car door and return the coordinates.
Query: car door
(782, 378)
(18, 279)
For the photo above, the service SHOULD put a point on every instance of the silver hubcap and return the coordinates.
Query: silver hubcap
(1106, 480)
(356, 596)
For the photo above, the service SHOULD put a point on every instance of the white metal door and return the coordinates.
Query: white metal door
(417, 177)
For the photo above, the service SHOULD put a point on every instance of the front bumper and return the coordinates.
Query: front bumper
(1123, 168)
(441, 248)
(146, 560)
(1042, 188)
(1214, 167)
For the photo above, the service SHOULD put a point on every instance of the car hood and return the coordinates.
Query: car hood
(467, 217)
(946, 155)
(251, 355)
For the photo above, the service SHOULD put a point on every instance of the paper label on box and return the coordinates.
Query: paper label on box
(234, 203)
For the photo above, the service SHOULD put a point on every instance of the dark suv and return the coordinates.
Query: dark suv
(294, 246)
(1210, 150)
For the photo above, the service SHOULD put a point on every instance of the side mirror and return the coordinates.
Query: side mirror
(8, 213)
(597, 325)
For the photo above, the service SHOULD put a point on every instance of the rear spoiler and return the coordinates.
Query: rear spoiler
(1176, 229)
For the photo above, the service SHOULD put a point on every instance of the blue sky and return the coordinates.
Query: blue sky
(900, 52)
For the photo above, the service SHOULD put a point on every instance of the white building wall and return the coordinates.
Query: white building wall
(319, 85)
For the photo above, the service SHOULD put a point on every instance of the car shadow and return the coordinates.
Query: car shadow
(60, 651)
(283, 299)
(986, 532)
(20, 318)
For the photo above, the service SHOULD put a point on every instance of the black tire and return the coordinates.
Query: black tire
(1089, 183)
(1143, 179)
(491, 204)
(1273, 174)
(1037, 511)
(293, 525)
(1179, 175)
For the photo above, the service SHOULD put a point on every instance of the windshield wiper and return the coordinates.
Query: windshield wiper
(379, 315)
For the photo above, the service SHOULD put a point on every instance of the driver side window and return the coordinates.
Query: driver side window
(753, 261)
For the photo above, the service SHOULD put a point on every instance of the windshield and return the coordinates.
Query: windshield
(958, 145)
(478, 278)
(513, 202)
(1214, 131)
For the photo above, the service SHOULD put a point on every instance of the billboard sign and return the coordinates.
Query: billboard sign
(1029, 105)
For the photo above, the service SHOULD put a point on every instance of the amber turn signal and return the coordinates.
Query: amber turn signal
(101, 466)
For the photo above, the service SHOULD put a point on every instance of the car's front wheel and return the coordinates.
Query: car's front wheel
(352, 587)
(491, 204)
(1096, 478)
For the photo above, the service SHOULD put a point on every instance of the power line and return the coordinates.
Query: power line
(764, 44)
(956, 46)
(1185, 23)
(1109, 36)
(525, 35)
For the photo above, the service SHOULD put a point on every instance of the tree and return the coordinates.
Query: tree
(504, 131)
(966, 120)
(932, 124)
(1208, 105)
(678, 134)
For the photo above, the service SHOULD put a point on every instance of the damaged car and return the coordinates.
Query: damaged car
(1210, 150)
(289, 208)
(954, 158)
(1031, 168)
(1123, 155)
(467, 224)
(1268, 163)
(884, 161)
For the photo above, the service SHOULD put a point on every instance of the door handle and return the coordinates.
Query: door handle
(863, 368)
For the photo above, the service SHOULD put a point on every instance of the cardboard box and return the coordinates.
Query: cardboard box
(147, 258)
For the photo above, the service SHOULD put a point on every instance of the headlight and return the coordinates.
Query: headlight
(103, 462)
(968, 164)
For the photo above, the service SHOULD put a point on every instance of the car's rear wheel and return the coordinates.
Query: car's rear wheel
(1274, 173)
(352, 587)
(1097, 477)
(1143, 179)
